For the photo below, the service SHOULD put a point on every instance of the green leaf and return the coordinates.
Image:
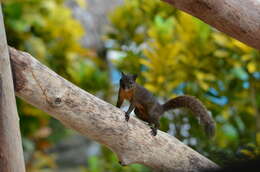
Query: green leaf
(230, 131)
(240, 73)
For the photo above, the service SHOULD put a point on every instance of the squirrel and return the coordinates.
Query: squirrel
(148, 109)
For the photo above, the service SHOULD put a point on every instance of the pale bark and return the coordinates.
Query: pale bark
(237, 18)
(99, 120)
(11, 152)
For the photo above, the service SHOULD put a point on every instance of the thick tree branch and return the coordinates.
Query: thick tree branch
(237, 18)
(100, 121)
(11, 151)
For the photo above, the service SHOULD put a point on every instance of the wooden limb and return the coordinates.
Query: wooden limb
(11, 152)
(237, 18)
(99, 120)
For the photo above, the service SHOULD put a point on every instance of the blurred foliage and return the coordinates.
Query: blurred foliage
(107, 161)
(172, 52)
(40, 160)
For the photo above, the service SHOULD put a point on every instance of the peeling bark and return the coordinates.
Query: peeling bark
(99, 120)
(237, 18)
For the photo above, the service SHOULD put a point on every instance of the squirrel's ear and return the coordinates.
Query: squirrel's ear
(135, 76)
(122, 73)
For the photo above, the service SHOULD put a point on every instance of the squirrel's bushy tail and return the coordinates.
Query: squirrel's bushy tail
(196, 107)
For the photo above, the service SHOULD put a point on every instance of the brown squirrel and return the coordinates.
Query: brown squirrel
(147, 108)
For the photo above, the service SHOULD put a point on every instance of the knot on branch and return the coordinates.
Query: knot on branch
(57, 101)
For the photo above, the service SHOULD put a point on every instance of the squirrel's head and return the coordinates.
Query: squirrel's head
(127, 81)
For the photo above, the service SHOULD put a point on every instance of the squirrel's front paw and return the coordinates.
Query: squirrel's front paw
(126, 117)
(154, 131)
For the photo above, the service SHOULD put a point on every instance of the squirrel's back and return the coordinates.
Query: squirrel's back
(143, 95)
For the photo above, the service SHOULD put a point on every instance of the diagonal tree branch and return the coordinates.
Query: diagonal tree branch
(237, 18)
(100, 121)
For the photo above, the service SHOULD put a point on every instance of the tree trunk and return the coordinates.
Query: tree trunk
(11, 152)
(237, 18)
(100, 121)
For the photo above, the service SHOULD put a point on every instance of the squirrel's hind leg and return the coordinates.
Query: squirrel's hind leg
(154, 123)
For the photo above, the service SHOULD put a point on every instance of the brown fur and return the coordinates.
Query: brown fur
(147, 108)
(126, 94)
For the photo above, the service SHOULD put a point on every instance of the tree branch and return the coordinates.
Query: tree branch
(237, 18)
(11, 151)
(100, 121)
